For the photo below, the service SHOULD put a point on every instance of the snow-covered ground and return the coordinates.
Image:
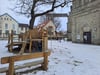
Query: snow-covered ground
(66, 59)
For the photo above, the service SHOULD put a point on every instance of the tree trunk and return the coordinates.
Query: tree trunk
(32, 21)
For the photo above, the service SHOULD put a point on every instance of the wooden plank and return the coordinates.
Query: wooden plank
(4, 60)
(25, 65)
(37, 39)
(23, 57)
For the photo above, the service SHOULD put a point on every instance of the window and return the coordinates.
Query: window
(0, 32)
(50, 28)
(6, 32)
(14, 32)
(7, 18)
(4, 18)
(21, 28)
(13, 26)
(6, 26)
(25, 28)
(0, 26)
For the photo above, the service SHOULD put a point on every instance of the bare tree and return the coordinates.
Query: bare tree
(43, 18)
(55, 20)
(57, 23)
(30, 8)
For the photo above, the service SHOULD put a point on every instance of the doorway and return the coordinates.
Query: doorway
(87, 37)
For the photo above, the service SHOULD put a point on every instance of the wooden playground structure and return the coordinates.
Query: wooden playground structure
(27, 39)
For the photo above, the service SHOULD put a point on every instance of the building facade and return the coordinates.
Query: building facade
(23, 28)
(69, 28)
(85, 21)
(49, 26)
(7, 23)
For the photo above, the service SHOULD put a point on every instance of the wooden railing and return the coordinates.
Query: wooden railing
(12, 59)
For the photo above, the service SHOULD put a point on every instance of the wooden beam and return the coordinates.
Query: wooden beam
(25, 65)
(23, 57)
(37, 39)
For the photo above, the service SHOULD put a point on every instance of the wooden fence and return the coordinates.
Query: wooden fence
(12, 59)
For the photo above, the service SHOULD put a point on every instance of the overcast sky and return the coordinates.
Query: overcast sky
(6, 4)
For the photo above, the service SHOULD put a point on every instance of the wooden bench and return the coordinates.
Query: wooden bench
(12, 59)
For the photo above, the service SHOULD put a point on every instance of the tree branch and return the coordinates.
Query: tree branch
(52, 9)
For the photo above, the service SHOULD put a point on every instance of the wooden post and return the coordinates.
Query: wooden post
(30, 41)
(44, 48)
(25, 37)
(45, 64)
(45, 41)
(11, 66)
(11, 40)
(23, 48)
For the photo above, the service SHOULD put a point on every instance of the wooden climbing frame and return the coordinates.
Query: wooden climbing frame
(27, 38)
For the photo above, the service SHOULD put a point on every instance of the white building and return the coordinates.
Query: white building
(8, 23)
(49, 26)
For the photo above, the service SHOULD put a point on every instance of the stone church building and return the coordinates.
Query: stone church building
(84, 21)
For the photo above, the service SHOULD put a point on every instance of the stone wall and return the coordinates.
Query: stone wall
(86, 19)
